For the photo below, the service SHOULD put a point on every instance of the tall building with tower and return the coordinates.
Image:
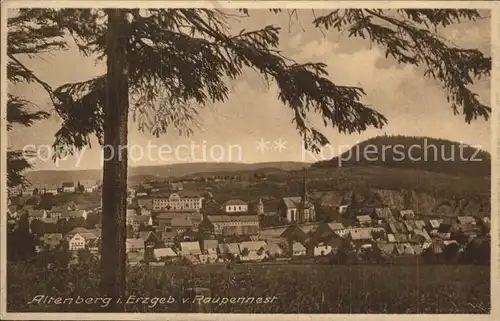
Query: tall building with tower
(298, 208)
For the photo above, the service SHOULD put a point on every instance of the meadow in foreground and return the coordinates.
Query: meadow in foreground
(298, 288)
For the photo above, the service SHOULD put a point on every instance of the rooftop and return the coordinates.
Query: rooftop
(235, 202)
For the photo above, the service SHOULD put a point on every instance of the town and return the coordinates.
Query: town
(167, 224)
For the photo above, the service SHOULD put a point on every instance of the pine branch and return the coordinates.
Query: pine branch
(32, 76)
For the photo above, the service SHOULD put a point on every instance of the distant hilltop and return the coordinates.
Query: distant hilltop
(381, 153)
(144, 173)
(421, 153)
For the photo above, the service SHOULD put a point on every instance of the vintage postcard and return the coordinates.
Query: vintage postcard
(237, 160)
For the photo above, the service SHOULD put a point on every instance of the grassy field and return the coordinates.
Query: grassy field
(298, 288)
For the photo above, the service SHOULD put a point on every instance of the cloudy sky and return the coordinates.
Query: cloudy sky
(231, 131)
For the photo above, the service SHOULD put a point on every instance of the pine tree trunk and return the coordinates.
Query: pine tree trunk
(114, 192)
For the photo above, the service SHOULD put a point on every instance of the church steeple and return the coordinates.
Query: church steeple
(303, 199)
(260, 207)
(304, 187)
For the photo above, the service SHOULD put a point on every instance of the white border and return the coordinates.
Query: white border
(495, 150)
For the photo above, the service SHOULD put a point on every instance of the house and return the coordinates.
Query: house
(37, 214)
(144, 211)
(364, 220)
(360, 234)
(193, 260)
(176, 186)
(89, 186)
(339, 229)
(134, 245)
(209, 246)
(229, 248)
(322, 231)
(298, 249)
(434, 224)
(407, 214)
(257, 247)
(134, 257)
(190, 248)
(129, 216)
(12, 211)
(308, 228)
(486, 224)
(151, 241)
(271, 233)
(50, 190)
(386, 249)
(68, 187)
(149, 238)
(207, 258)
(144, 202)
(57, 212)
(322, 249)
(294, 233)
(164, 253)
(417, 249)
(232, 224)
(444, 227)
(396, 227)
(182, 224)
(91, 240)
(235, 206)
(167, 237)
(409, 225)
(190, 235)
(419, 236)
(466, 220)
(52, 240)
(76, 242)
(253, 251)
(187, 218)
(297, 209)
(420, 224)
(382, 213)
(78, 230)
(29, 190)
(71, 206)
(177, 201)
(273, 248)
(391, 238)
(49, 220)
(401, 238)
(437, 247)
(333, 200)
(74, 214)
(404, 249)
(144, 220)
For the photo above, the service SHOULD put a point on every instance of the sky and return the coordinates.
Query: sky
(252, 125)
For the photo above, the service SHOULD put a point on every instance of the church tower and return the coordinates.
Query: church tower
(260, 207)
(304, 202)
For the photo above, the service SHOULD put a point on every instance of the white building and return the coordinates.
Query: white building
(322, 249)
(68, 187)
(76, 242)
(298, 249)
(89, 186)
(235, 206)
(178, 201)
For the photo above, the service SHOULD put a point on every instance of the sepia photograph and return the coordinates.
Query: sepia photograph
(235, 159)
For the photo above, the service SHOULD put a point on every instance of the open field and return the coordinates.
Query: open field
(298, 288)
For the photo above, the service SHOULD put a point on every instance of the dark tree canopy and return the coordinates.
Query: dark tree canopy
(181, 59)
(29, 36)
